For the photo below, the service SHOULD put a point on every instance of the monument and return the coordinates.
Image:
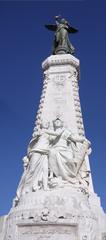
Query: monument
(55, 197)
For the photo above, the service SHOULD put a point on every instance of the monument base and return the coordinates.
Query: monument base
(64, 213)
(67, 211)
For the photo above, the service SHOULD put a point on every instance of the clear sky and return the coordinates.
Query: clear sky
(24, 44)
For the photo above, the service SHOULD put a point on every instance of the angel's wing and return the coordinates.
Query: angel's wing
(52, 27)
(72, 30)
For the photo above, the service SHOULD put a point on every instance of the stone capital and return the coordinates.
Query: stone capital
(62, 59)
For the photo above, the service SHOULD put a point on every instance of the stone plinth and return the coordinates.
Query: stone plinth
(61, 213)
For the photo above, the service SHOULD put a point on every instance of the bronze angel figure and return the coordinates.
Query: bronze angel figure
(62, 28)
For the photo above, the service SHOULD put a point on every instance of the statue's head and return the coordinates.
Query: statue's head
(45, 124)
(57, 123)
(63, 21)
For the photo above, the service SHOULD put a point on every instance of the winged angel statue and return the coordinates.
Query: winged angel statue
(62, 28)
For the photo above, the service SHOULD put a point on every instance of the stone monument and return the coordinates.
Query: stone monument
(55, 197)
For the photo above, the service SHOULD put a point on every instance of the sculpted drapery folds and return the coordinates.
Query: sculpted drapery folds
(55, 159)
(66, 156)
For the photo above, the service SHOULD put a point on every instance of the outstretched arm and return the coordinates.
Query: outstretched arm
(76, 138)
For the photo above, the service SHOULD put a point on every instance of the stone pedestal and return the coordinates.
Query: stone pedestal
(67, 211)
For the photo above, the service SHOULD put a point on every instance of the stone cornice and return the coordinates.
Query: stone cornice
(62, 59)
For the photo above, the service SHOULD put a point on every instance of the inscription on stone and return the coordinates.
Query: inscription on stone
(45, 232)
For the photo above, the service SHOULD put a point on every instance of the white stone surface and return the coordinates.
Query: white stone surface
(60, 96)
(58, 151)
(2, 226)
(65, 210)
(51, 231)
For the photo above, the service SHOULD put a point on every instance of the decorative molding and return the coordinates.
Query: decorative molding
(64, 59)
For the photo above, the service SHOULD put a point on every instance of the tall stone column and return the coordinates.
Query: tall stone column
(55, 197)
(60, 96)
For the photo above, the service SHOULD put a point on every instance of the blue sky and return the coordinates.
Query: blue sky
(24, 44)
